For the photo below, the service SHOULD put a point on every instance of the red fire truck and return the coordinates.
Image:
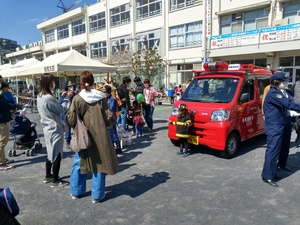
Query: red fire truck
(225, 104)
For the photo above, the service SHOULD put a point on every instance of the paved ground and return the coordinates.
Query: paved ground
(155, 186)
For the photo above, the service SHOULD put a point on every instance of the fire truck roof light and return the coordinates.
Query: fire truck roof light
(215, 66)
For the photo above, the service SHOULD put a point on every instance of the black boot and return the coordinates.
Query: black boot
(118, 149)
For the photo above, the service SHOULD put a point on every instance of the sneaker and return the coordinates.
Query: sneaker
(179, 153)
(118, 150)
(60, 183)
(6, 167)
(48, 179)
(74, 196)
(185, 154)
(98, 200)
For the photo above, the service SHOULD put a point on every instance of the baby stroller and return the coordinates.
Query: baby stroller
(24, 134)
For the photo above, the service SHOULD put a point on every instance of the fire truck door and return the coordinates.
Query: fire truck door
(248, 114)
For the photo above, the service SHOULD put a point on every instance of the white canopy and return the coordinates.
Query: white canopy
(13, 70)
(66, 62)
(4, 67)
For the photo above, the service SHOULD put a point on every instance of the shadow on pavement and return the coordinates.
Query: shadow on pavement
(39, 155)
(245, 147)
(293, 163)
(136, 186)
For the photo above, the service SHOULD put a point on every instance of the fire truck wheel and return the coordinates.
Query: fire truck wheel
(232, 146)
(175, 142)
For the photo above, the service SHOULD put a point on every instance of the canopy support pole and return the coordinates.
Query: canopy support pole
(17, 90)
(33, 90)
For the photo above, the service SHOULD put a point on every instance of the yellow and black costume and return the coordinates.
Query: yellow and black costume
(182, 128)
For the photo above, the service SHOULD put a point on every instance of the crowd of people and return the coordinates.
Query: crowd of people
(103, 109)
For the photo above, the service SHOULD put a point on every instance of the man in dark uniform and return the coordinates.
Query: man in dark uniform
(276, 106)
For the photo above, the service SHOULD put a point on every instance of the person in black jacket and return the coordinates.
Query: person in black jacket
(182, 129)
(5, 118)
(124, 97)
(139, 87)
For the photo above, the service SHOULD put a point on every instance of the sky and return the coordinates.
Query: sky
(18, 18)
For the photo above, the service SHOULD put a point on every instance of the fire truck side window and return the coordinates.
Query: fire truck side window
(249, 88)
(262, 83)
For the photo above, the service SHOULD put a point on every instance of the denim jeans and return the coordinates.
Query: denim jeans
(78, 181)
(124, 117)
(139, 130)
(114, 135)
(149, 116)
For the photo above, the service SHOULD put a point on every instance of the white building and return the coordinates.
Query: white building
(186, 32)
(258, 31)
(174, 27)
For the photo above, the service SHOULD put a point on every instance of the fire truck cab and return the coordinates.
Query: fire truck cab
(225, 104)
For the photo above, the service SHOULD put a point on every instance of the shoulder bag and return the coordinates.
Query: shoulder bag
(80, 139)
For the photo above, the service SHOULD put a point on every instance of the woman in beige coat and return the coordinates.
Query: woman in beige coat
(100, 158)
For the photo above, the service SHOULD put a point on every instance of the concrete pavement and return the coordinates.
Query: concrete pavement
(155, 186)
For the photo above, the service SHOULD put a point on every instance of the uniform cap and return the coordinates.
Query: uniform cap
(279, 76)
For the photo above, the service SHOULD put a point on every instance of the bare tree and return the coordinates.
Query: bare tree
(147, 62)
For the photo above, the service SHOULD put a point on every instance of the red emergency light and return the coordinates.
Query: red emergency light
(215, 66)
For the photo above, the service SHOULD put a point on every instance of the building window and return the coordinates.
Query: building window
(49, 53)
(186, 35)
(150, 40)
(147, 8)
(291, 10)
(286, 61)
(98, 50)
(81, 49)
(178, 4)
(97, 22)
(78, 27)
(120, 15)
(120, 44)
(49, 36)
(238, 22)
(63, 32)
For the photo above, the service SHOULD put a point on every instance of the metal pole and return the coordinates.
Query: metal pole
(33, 89)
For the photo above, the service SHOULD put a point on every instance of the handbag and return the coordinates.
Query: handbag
(80, 139)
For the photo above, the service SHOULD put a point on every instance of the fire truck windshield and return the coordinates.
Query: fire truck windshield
(213, 90)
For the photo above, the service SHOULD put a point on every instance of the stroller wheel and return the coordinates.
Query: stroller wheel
(10, 153)
(38, 146)
(14, 153)
(28, 152)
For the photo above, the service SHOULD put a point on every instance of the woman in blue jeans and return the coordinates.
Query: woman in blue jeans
(100, 158)
(149, 94)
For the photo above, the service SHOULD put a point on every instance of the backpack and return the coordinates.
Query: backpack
(8, 201)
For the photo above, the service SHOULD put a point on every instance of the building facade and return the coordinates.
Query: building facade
(185, 33)
(174, 28)
(6, 46)
(266, 33)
